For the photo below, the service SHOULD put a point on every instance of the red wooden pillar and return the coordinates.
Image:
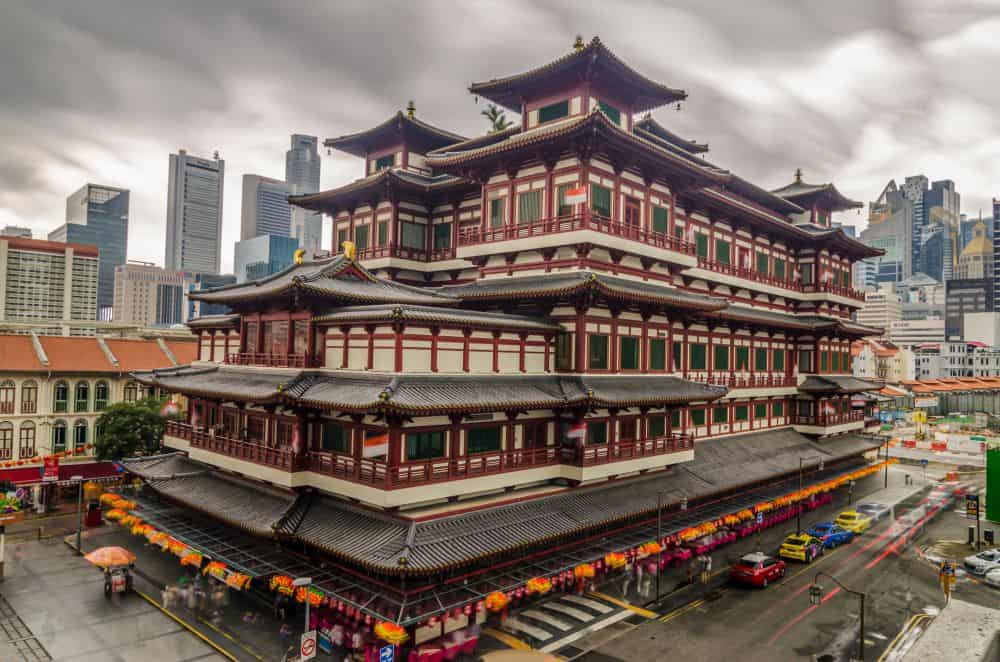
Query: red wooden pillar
(496, 351)
(466, 350)
(454, 227)
(523, 337)
(613, 363)
(580, 362)
(644, 345)
(370, 330)
(345, 351)
(435, 331)
(397, 330)
(548, 353)
(393, 223)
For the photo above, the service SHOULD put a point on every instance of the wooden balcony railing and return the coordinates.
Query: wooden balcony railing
(826, 420)
(406, 253)
(476, 235)
(632, 449)
(249, 450)
(746, 380)
(749, 274)
(269, 360)
(839, 290)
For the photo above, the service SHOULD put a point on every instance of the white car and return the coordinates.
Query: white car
(981, 563)
(993, 578)
(874, 510)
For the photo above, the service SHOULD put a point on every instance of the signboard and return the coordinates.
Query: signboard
(760, 518)
(858, 403)
(926, 402)
(11, 518)
(307, 649)
(972, 506)
(325, 641)
(387, 654)
(50, 468)
(923, 463)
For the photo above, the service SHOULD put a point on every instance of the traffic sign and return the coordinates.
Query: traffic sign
(387, 654)
(923, 463)
(760, 518)
(972, 506)
(307, 649)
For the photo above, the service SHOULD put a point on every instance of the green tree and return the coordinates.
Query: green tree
(130, 428)
(497, 118)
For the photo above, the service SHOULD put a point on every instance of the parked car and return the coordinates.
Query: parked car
(832, 535)
(993, 578)
(757, 570)
(983, 562)
(801, 547)
(854, 521)
(875, 511)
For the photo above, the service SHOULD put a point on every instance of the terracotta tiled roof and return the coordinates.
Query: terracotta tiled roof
(138, 354)
(184, 352)
(75, 354)
(17, 353)
(84, 354)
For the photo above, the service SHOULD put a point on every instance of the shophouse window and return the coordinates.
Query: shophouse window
(760, 411)
(760, 358)
(629, 347)
(600, 200)
(424, 445)
(613, 113)
(741, 413)
(496, 212)
(29, 397)
(742, 358)
(484, 440)
(361, 237)
(79, 436)
(60, 397)
(101, 396)
(597, 432)
(656, 426)
(720, 415)
(8, 396)
(657, 354)
(697, 417)
(412, 235)
(529, 207)
(6, 440)
(721, 358)
(598, 352)
(58, 436)
(553, 111)
(762, 263)
(697, 357)
(701, 244)
(722, 251)
(564, 352)
(131, 392)
(442, 236)
(383, 162)
(779, 269)
(26, 441)
(661, 216)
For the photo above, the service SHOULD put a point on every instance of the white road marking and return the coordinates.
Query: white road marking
(530, 630)
(547, 619)
(581, 616)
(590, 604)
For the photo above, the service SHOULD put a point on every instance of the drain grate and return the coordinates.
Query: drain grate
(16, 634)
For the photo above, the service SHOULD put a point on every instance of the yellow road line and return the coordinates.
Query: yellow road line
(627, 605)
(221, 651)
(680, 611)
(230, 638)
(509, 639)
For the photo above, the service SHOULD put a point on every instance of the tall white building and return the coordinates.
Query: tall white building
(302, 170)
(194, 213)
(265, 208)
(148, 295)
(880, 309)
(907, 333)
(47, 280)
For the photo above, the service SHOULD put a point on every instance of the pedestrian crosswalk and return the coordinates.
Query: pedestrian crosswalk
(549, 625)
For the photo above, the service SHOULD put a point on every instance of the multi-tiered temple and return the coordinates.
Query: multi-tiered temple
(529, 336)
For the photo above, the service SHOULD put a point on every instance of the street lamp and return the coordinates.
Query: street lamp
(850, 493)
(304, 582)
(79, 512)
(816, 597)
(798, 512)
(659, 532)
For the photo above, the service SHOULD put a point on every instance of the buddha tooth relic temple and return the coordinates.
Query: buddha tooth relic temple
(522, 341)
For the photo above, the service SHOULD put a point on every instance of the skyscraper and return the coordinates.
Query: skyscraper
(47, 280)
(890, 227)
(262, 256)
(942, 207)
(996, 253)
(265, 207)
(147, 295)
(98, 215)
(302, 168)
(194, 213)
(913, 189)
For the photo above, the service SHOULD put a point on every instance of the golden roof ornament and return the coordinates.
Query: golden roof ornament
(411, 109)
(348, 249)
(578, 44)
(798, 175)
(300, 255)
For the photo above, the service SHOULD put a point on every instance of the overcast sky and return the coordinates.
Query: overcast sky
(853, 92)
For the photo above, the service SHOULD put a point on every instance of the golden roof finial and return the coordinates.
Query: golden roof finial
(300, 255)
(578, 43)
(411, 109)
(798, 175)
(348, 250)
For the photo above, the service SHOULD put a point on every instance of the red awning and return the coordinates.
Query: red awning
(24, 476)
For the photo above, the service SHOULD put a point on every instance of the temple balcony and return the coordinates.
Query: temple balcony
(735, 380)
(265, 360)
(825, 424)
(247, 450)
(837, 290)
(405, 253)
(567, 230)
(743, 273)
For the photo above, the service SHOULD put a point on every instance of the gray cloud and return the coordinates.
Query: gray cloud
(857, 93)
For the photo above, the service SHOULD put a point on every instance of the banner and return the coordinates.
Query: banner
(575, 196)
(50, 468)
(926, 401)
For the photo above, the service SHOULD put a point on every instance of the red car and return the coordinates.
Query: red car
(757, 570)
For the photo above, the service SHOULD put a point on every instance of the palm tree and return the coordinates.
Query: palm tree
(498, 120)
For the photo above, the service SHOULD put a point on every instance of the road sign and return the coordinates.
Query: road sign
(387, 654)
(972, 506)
(760, 518)
(923, 463)
(307, 649)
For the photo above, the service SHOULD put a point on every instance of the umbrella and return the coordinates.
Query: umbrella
(106, 557)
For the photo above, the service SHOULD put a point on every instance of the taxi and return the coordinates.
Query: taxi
(801, 547)
(853, 521)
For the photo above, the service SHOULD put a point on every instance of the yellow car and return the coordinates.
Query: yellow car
(854, 521)
(801, 547)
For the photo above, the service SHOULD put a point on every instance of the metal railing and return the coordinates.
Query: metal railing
(269, 360)
(826, 420)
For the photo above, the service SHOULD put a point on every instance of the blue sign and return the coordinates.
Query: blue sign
(387, 654)
(760, 518)
(923, 463)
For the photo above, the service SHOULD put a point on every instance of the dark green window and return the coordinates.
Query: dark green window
(341, 238)
(597, 432)
(823, 361)
(657, 426)
(741, 413)
(778, 409)
(697, 417)
(613, 113)
(660, 219)
(760, 359)
(762, 263)
(742, 358)
(383, 162)
(657, 354)
(383, 233)
(779, 269)
(496, 212)
(424, 445)
(564, 352)
(760, 411)
(102, 396)
(335, 438)
(779, 360)
(442, 236)
(564, 209)
(835, 360)
(697, 357)
(677, 350)
(598, 354)
(529, 206)
(846, 362)
(805, 360)
(722, 251)
(361, 237)
(720, 414)
(484, 440)
(600, 200)
(807, 273)
(629, 352)
(412, 235)
(675, 418)
(553, 111)
(720, 358)
(701, 244)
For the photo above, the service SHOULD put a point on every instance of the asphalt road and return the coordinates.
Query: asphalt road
(724, 622)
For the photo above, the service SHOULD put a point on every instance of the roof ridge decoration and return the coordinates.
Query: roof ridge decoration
(36, 344)
(357, 143)
(649, 124)
(108, 354)
(166, 350)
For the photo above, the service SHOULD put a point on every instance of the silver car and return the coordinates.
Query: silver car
(981, 563)
(874, 510)
(993, 578)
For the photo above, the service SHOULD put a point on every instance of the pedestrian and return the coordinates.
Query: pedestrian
(690, 572)
(284, 632)
(192, 598)
(708, 568)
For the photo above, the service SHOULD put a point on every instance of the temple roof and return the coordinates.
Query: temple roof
(822, 384)
(585, 62)
(649, 125)
(210, 380)
(338, 278)
(473, 318)
(213, 321)
(567, 283)
(402, 125)
(378, 185)
(805, 195)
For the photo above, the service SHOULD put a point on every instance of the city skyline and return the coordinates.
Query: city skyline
(750, 92)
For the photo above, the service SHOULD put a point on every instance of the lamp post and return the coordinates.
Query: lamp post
(304, 582)
(79, 513)
(816, 597)
(798, 511)
(659, 533)
(886, 484)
